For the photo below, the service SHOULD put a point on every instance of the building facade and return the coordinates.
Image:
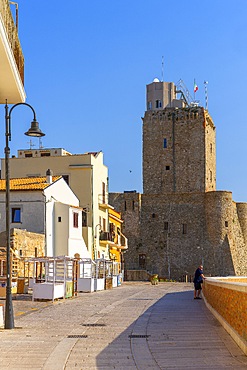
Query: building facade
(45, 206)
(180, 220)
(86, 175)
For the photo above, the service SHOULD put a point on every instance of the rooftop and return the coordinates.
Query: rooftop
(28, 183)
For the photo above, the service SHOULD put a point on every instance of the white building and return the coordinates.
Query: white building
(46, 205)
(87, 176)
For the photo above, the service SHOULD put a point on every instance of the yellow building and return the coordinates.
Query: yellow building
(118, 243)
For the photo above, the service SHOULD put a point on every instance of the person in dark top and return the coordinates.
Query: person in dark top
(198, 280)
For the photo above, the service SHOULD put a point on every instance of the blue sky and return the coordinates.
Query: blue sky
(87, 64)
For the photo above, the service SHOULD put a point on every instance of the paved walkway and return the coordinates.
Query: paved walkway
(135, 326)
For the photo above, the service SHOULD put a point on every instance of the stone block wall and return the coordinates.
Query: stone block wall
(129, 204)
(178, 151)
(25, 244)
(172, 234)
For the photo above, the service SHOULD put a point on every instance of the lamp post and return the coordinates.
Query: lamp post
(96, 241)
(33, 131)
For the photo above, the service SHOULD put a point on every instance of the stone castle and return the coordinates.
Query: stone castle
(180, 220)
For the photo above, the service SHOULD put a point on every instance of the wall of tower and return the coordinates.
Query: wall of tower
(210, 153)
(178, 151)
(242, 216)
(160, 95)
(225, 233)
(171, 234)
(129, 204)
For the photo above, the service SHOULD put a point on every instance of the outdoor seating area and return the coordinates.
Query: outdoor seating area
(51, 278)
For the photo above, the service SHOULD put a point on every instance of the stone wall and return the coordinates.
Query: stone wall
(171, 234)
(129, 204)
(25, 245)
(178, 151)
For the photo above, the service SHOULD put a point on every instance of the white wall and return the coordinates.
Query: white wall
(32, 204)
(68, 239)
(61, 192)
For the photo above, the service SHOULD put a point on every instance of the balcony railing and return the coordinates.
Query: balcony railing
(105, 236)
(103, 198)
(119, 240)
(12, 36)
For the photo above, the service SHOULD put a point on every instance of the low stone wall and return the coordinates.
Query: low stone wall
(137, 275)
(226, 297)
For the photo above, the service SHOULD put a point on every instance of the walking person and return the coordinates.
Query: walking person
(198, 280)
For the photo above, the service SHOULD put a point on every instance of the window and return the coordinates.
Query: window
(84, 218)
(104, 224)
(211, 176)
(59, 219)
(166, 226)
(167, 168)
(28, 155)
(226, 223)
(165, 143)
(133, 205)
(158, 104)
(15, 215)
(125, 205)
(211, 148)
(75, 219)
(149, 105)
(103, 192)
(20, 252)
(45, 154)
(36, 252)
(184, 228)
(153, 215)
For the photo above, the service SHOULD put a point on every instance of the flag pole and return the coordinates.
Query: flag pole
(206, 94)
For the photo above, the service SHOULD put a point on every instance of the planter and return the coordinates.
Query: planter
(99, 284)
(48, 291)
(85, 285)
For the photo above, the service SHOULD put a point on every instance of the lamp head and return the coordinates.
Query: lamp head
(34, 130)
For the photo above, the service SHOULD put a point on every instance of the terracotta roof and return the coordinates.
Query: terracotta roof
(28, 183)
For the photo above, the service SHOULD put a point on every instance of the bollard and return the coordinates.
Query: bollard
(1, 316)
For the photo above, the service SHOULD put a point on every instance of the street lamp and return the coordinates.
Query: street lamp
(33, 131)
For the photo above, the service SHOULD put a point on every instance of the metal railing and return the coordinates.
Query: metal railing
(12, 35)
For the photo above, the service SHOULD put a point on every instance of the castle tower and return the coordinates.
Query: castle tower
(180, 220)
(178, 144)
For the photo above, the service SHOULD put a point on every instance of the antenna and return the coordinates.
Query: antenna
(162, 70)
(206, 94)
(40, 143)
(31, 145)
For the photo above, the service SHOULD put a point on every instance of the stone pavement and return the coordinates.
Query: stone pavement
(135, 326)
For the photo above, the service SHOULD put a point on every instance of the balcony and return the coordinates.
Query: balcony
(117, 241)
(103, 201)
(11, 58)
(105, 237)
